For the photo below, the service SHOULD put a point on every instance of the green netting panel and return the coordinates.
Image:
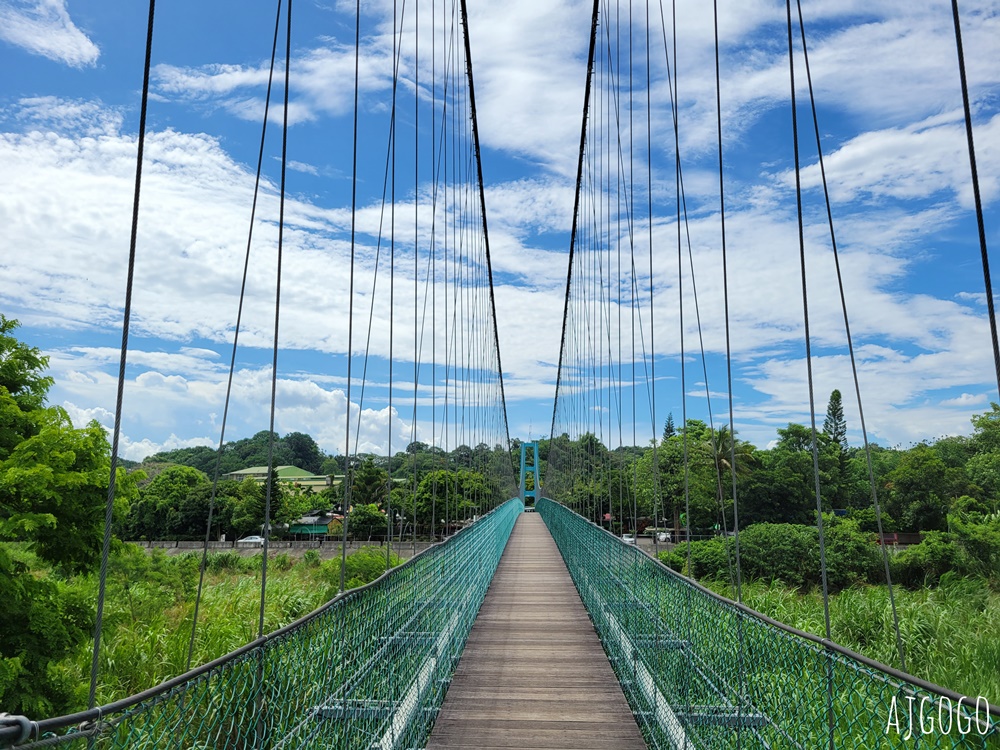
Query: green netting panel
(701, 671)
(367, 670)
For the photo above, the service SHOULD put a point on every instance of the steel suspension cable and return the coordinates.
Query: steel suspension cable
(482, 204)
(974, 171)
(236, 339)
(725, 303)
(900, 651)
(270, 484)
(657, 499)
(350, 303)
(809, 371)
(396, 47)
(120, 397)
(576, 210)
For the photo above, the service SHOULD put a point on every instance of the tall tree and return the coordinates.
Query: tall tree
(305, 453)
(668, 427)
(53, 487)
(835, 426)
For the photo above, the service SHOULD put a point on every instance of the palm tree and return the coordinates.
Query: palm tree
(729, 454)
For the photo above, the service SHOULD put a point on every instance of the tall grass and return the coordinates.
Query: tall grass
(950, 633)
(151, 605)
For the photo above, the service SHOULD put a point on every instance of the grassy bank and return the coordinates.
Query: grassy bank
(150, 606)
(950, 633)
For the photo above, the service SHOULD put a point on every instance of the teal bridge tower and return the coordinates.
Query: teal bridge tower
(536, 484)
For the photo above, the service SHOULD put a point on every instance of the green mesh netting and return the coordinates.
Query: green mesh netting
(368, 670)
(700, 671)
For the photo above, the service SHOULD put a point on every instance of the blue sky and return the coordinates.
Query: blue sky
(890, 111)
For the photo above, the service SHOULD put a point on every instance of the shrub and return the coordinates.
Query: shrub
(229, 561)
(785, 552)
(981, 544)
(780, 551)
(708, 558)
(363, 566)
(923, 564)
(310, 558)
(852, 557)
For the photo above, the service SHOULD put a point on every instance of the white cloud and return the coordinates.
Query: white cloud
(43, 27)
(884, 74)
(915, 161)
(316, 87)
(157, 401)
(69, 116)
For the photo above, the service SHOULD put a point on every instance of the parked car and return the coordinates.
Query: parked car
(628, 538)
(256, 540)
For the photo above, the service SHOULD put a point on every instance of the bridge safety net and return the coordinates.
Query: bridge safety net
(701, 671)
(367, 670)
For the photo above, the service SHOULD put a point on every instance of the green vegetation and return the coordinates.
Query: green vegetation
(920, 489)
(54, 484)
(53, 491)
(950, 633)
(790, 553)
(945, 494)
(426, 484)
(150, 603)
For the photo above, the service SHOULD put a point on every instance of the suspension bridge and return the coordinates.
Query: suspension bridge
(533, 626)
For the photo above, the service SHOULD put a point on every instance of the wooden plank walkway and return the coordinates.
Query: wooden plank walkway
(533, 673)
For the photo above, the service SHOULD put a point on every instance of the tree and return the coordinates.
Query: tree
(920, 488)
(332, 465)
(668, 427)
(783, 490)
(835, 426)
(21, 368)
(451, 495)
(305, 453)
(370, 484)
(986, 433)
(365, 519)
(53, 490)
(248, 508)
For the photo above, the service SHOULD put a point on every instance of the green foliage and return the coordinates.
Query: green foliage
(668, 427)
(785, 552)
(852, 557)
(950, 633)
(923, 564)
(294, 449)
(150, 600)
(917, 490)
(370, 484)
(248, 508)
(42, 621)
(21, 368)
(232, 561)
(366, 520)
(452, 495)
(867, 520)
(53, 491)
(363, 566)
(835, 426)
(310, 558)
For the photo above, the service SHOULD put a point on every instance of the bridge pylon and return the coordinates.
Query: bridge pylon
(528, 497)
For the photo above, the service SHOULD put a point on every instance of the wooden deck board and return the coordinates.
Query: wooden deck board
(533, 673)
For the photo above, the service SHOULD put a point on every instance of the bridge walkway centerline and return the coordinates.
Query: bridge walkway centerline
(533, 673)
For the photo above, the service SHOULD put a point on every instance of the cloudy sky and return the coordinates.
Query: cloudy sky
(890, 111)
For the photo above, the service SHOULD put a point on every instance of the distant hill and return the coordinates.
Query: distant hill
(295, 449)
